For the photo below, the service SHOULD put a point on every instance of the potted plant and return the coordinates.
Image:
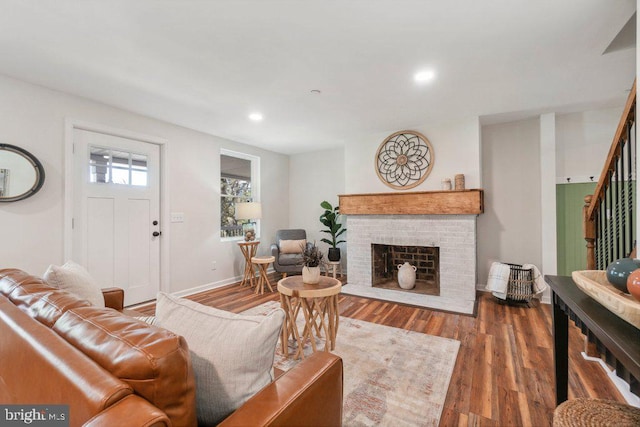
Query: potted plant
(330, 220)
(311, 259)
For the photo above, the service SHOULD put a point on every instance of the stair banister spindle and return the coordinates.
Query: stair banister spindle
(631, 140)
(623, 202)
(617, 214)
(609, 213)
(599, 240)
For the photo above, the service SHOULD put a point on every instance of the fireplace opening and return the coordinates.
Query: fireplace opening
(385, 260)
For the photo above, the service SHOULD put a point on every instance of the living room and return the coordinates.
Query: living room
(517, 150)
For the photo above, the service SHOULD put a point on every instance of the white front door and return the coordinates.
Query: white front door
(116, 212)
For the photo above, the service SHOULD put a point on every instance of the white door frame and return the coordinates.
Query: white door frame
(72, 124)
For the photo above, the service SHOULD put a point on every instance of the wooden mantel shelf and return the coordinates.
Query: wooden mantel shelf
(464, 202)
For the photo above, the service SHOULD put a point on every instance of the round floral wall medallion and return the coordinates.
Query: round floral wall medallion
(404, 159)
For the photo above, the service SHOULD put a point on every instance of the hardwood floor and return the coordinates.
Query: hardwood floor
(504, 371)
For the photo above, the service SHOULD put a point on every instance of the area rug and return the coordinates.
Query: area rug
(392, 377)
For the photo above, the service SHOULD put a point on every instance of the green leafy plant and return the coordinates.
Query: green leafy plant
(330, 219)
(311, 256)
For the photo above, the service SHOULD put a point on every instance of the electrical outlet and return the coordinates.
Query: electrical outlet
(214, 265)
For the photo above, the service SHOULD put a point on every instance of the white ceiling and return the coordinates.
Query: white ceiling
(207, 64)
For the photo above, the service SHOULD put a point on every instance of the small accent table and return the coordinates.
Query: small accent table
(336, 268)
(249, 250)
(263, 263)
(319, 305)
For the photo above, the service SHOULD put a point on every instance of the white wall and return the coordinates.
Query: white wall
(582, 142)
(456, 146)
(33, 118)
(510, 228)
(315, 177)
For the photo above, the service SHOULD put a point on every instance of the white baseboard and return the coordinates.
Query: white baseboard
(213, 285)
(620, 384)
(206, 287)
(546, 299)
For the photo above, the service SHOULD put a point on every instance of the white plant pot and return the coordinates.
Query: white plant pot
(311, 275)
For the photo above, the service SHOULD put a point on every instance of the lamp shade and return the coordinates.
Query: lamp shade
(248, 210)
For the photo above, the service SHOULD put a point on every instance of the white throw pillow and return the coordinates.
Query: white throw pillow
(73, 278)
(232, 354)
(292, 246)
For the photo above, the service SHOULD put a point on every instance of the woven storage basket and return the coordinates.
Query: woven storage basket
(520, 286)
(585, 412)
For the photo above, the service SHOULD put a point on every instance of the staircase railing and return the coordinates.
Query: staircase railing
(609, 214)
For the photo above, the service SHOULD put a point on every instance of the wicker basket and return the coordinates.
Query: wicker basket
(520, 286)
(584, 412)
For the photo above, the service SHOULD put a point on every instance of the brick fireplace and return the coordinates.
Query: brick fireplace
(449, 226)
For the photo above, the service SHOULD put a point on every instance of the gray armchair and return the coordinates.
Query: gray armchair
(288, 263)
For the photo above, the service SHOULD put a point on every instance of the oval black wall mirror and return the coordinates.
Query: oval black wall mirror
(21, 174)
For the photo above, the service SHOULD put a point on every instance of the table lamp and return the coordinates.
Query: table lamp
(249, 211)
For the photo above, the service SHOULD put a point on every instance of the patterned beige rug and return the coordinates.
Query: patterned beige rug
(392, 377)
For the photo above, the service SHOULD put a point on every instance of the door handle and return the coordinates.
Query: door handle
(156, 233)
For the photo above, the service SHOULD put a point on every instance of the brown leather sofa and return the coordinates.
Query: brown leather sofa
(112, 369)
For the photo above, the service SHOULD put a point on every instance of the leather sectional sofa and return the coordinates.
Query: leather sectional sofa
(112, 369)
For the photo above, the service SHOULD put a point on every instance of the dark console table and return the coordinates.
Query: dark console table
(618, 340)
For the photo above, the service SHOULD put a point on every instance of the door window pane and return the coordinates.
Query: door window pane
(117, 167)
(120, 167)
(139, 169)
(99, 159)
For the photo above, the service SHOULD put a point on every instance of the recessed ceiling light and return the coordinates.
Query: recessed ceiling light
(256, 117)
(424, 76)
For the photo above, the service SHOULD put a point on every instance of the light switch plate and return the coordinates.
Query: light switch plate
(177, 216)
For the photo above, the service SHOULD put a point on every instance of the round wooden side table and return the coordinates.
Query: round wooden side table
(262, 262)
(319, 305)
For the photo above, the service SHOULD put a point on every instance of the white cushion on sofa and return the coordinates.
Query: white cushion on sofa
(73, 278)
(232, 354)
